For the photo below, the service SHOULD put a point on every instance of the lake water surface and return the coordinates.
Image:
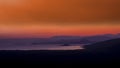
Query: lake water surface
(43, 47)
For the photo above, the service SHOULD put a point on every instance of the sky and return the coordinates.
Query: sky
(44, 18)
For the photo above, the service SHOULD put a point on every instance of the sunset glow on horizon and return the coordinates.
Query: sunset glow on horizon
(55, 30)
(46, 18)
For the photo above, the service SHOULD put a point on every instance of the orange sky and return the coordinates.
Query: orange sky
(33, 18)
(55, 30)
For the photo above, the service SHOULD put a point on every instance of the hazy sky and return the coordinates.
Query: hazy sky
(58, 17)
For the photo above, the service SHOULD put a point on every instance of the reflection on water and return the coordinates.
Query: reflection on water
(42, 47)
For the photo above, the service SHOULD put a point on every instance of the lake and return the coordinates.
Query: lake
(42, 47)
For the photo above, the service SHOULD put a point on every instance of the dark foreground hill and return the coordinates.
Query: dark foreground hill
(103, 52)
(105, 46)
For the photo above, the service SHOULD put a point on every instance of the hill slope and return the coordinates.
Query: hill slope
(105, 46)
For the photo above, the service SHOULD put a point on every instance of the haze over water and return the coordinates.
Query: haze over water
(43, 47)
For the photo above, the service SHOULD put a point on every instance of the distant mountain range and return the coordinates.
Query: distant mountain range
(83, 40)
(60, 40)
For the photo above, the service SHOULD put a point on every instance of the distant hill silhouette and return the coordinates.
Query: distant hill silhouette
(105, 46)
(22, 42)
